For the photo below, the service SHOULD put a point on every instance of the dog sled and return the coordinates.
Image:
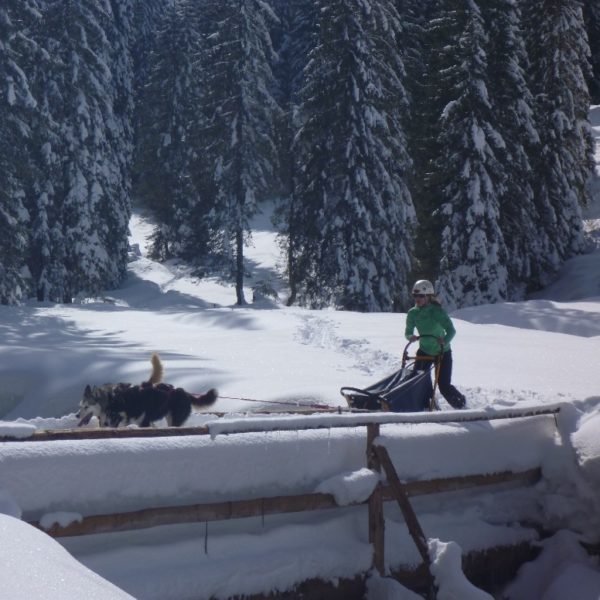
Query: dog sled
(409, 389)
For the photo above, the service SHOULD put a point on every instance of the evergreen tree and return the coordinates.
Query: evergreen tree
(558, 51)
(168, 149)
(473, 252)
(295, 35)
(512, 104)
(91, 182)
(591, 12)
(354, 216)
(432, 89)
(47, 244)
(17, 105)
(241, 113)
(147, 17)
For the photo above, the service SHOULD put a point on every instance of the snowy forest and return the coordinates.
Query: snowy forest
(445, 139)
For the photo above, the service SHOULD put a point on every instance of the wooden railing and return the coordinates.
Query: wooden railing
(377, 458)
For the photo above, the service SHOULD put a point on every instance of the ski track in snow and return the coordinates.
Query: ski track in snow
(321, 333)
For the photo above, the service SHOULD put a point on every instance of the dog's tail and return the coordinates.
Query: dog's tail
(205, 399)
(157, 369)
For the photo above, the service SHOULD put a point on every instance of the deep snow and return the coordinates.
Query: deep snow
(540, 352)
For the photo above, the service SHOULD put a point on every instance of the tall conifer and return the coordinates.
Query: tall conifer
(168, 152)
(473, 252)
(353, 242)
(558, 53)
(512, 104)
(18, 170)
(241, 115)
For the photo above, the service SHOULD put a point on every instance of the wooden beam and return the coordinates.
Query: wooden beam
(376, 518)
(220, 511)
(410, 516)
(334, 421)
(101, 433)
(329, 421)
(401, 496)
(450, 484)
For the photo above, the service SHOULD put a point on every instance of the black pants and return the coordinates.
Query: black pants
(452, 396)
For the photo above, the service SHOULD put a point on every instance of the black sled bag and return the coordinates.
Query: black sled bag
(402, 391)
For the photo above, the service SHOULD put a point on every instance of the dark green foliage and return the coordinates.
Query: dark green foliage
(294, 36)
(471, 177)
(168, 153)
(239, 136)
(591, 13)
(432, 88)
(445, 139)
(513, 110)
(352, 221)
(17, 106)
(557, 48)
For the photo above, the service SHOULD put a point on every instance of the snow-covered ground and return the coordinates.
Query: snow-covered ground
(540, 352)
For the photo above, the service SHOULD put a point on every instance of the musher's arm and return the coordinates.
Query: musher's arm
(446, 322)
(410, 325)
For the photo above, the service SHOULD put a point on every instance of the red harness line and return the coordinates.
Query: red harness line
(295, 404)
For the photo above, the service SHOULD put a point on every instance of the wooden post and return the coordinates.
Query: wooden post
(410, 517)
(376, 520)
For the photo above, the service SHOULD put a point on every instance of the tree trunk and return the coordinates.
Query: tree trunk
(239, 267)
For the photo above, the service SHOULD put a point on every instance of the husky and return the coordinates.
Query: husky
(122, 404)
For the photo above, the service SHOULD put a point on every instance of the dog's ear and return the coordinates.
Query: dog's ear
(87, 393)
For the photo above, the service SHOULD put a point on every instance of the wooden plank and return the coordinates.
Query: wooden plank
(220, 511)
(194, 513)
(451, 484)
(375, 503)
(331, 421)
(101, 433)
(335, 421)
(410, 517)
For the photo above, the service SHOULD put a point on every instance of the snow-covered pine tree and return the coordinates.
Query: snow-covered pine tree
(168, 150)
(241, 114)
(431, 90)
(91, 181)
(473, 253)
(353, 243)
(17, 106)
(512, 104)
(294, 36)
(414, 45)
(47, 246)
(558, 54)
(116, 159)
(147, 17)
(591, 13)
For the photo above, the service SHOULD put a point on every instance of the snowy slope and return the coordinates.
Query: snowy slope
(542, 351)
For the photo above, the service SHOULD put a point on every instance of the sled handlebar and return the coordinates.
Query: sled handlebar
(418, 337)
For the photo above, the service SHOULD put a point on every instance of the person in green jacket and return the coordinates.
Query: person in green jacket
(435, 332)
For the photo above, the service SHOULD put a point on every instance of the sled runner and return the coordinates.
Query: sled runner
(407, 390)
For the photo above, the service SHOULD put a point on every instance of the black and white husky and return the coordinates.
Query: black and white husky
(121, 404)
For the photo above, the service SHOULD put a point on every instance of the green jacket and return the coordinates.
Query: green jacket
(431, 319)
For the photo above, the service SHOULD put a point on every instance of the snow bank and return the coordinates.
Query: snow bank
(16, 429)
(562, 568)
(33, 565)
(586, 442)
(446, 567)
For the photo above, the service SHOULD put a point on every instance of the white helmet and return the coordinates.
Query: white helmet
(423, 286)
